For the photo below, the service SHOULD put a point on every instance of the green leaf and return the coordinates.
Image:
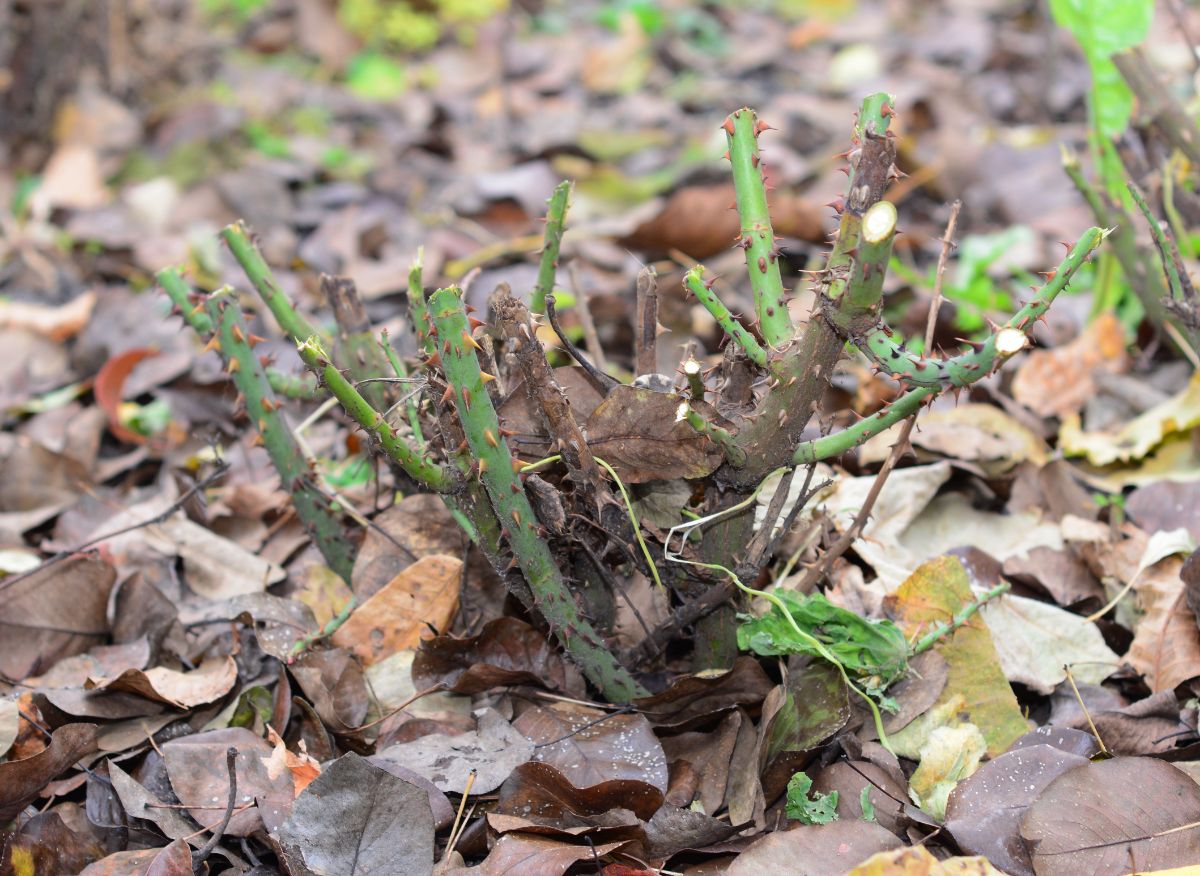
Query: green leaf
(1103, 28)
(376, 77)
(818, 809)
(875, 652)
(865, 804)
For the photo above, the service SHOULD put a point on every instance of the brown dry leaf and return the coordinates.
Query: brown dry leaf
(36, 483)
(541, 793)
(416, 526)
(215, 567)
(695, 699)
(1166, 642)
(588, 751)
(978, 433)
(825, 849)
(517, 854)
(196, 766)
(1099, 817)
(72, 179)
(1054, 383)
(420, 600)
(637, 431)
(696, 220)
(45, 844)
(56, 611)
(506, 651)
(21, 780)
(173, 859)
(58, 323)
(207, 683)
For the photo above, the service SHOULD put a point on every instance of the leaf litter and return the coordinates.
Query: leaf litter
(160, 604)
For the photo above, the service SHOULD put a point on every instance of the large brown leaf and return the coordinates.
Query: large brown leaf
(540, 792)
(821, 849)
(1108, 817)
(56, 611)
(637, 432)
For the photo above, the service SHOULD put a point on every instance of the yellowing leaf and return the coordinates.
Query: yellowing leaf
(916, 861)
(1137, 437)
(949, 756)
(933, 594)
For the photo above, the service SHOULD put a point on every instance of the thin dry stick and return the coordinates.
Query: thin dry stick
(584, 312)
(848, 538)
(646, 334)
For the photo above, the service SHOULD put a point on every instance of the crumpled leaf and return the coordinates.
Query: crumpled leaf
(949, 755)
(541, 793)
(978, 433)
(1059, 381)
(815, 808)
(1097, 817)
(1165, 648)
(1035, 640)
(934, 594)
(173, 859)
(1139, 436)
(638, 433)
(357, 818)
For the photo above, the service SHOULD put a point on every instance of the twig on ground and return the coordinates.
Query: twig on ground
(201, 854)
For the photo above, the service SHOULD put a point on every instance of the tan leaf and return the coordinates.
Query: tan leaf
(1058, 382)
(421, 599)
(1166, 642)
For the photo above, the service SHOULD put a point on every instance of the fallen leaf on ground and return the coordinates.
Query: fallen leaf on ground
(21, 780)
(934, 594)
(1059, 381)
(1139, 436)
(401, 614)
(207, 683)
(917, 861)
(825, 849)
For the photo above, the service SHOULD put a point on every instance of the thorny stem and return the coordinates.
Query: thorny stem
(946, 628)
(548, 266)
(305, 642)
(495, 468)
(435, 477)
(813, 574)
(705, 295)
(757, 237)
(312, 351)
(311, 504)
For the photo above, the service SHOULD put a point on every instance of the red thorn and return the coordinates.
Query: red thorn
(727, 127)
(886, 110)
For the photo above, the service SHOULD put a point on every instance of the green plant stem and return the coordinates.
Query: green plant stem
(312, 351)
(846, 440)
(256, 387)
(410, 403)
(1168, 253)
(312, 506)
(694, 281)
(305, 642)
(947, 628)
(969, 367)
(723, 438)
(494, 466)
(418, 467)
(237, 238)
(757, 237)
(552, 243)
(302, 387)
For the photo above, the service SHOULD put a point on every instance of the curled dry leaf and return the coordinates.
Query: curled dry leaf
(1059, 381)
(20, 780)
(1166, 647)
(109, 388)
(56, 322)
(507, 651)
(173, 859)
(207, 683)
(695, 699)
(541, 793)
